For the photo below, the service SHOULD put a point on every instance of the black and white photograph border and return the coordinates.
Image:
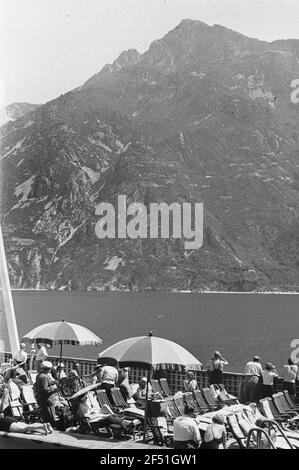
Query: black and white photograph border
(149, 221)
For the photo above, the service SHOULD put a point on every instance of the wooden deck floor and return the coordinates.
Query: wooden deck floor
(67, 441)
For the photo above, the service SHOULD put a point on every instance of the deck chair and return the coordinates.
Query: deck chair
(103, 398)
(31, 410)
(173, 411)
(201, 402)
(32, 374)
(118, 399)
(270, 412)
(279, 415)
(236, 431)
(160, 433)
(290, 402)
(15, 405)
(190, 401)
(180, 404)
(156, 387)
(212, 403)
(282, 405)
(225, 397)
(165, 388)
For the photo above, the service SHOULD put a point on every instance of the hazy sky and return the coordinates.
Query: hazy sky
(49, 47)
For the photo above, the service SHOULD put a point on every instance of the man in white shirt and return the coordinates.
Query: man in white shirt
(41, 356)
(185, 431)
(21, 355)
(253, 371)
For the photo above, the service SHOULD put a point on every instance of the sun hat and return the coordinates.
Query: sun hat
(47, 365)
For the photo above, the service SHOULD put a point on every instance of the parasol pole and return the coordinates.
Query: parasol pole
(146, 406)
(60, 359)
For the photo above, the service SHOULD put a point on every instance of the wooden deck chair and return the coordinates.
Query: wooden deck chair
(31, 410)
(160, 432)
(290, 402)
(276, 412)
(212, 403)
(156, 387)
(165, 388)
(279, 402)
(202, 404)
(102, 398)
(236, 430)
(267, 410)
(286, 405)
(15, 405)
(225, 397)
(173, 411)
(190, 401)
(118, 399)
(180, 404)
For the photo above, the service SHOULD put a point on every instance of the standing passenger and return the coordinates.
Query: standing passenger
(41, 356)
(253, 371)
(46, 392)
(216, 368)
(268, 374)
(289, 381)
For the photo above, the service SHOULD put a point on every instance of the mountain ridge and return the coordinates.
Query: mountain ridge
(204, 115)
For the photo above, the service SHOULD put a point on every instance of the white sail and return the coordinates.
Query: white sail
(8, 324)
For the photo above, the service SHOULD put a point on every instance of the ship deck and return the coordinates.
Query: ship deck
(64, 440)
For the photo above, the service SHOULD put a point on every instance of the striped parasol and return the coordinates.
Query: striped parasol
(62, 332)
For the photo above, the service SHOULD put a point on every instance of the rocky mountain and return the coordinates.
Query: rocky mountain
(15, 110)
(204, 115)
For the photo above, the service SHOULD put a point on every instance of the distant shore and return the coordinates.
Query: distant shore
(269, 292)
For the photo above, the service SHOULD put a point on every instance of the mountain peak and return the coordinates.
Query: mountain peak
(125, 59)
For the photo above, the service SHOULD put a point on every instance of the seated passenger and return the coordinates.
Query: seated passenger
(13, 425)
(185, 430)
(102, 415)
(140, 394)
(190, 382)
(215, 434)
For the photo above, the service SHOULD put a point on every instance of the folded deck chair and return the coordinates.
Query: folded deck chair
(165, 388)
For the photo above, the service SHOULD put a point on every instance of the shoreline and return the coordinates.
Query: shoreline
(161, 291)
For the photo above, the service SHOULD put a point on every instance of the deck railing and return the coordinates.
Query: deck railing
(232, 380)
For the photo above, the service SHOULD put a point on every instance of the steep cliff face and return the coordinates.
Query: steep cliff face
(203, 116)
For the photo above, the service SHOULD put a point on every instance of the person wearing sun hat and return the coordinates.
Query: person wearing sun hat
(215, 434)
(46, 390)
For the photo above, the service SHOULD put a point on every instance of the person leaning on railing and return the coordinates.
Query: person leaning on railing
(268, 374)
(289, 381)
(215, 366)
